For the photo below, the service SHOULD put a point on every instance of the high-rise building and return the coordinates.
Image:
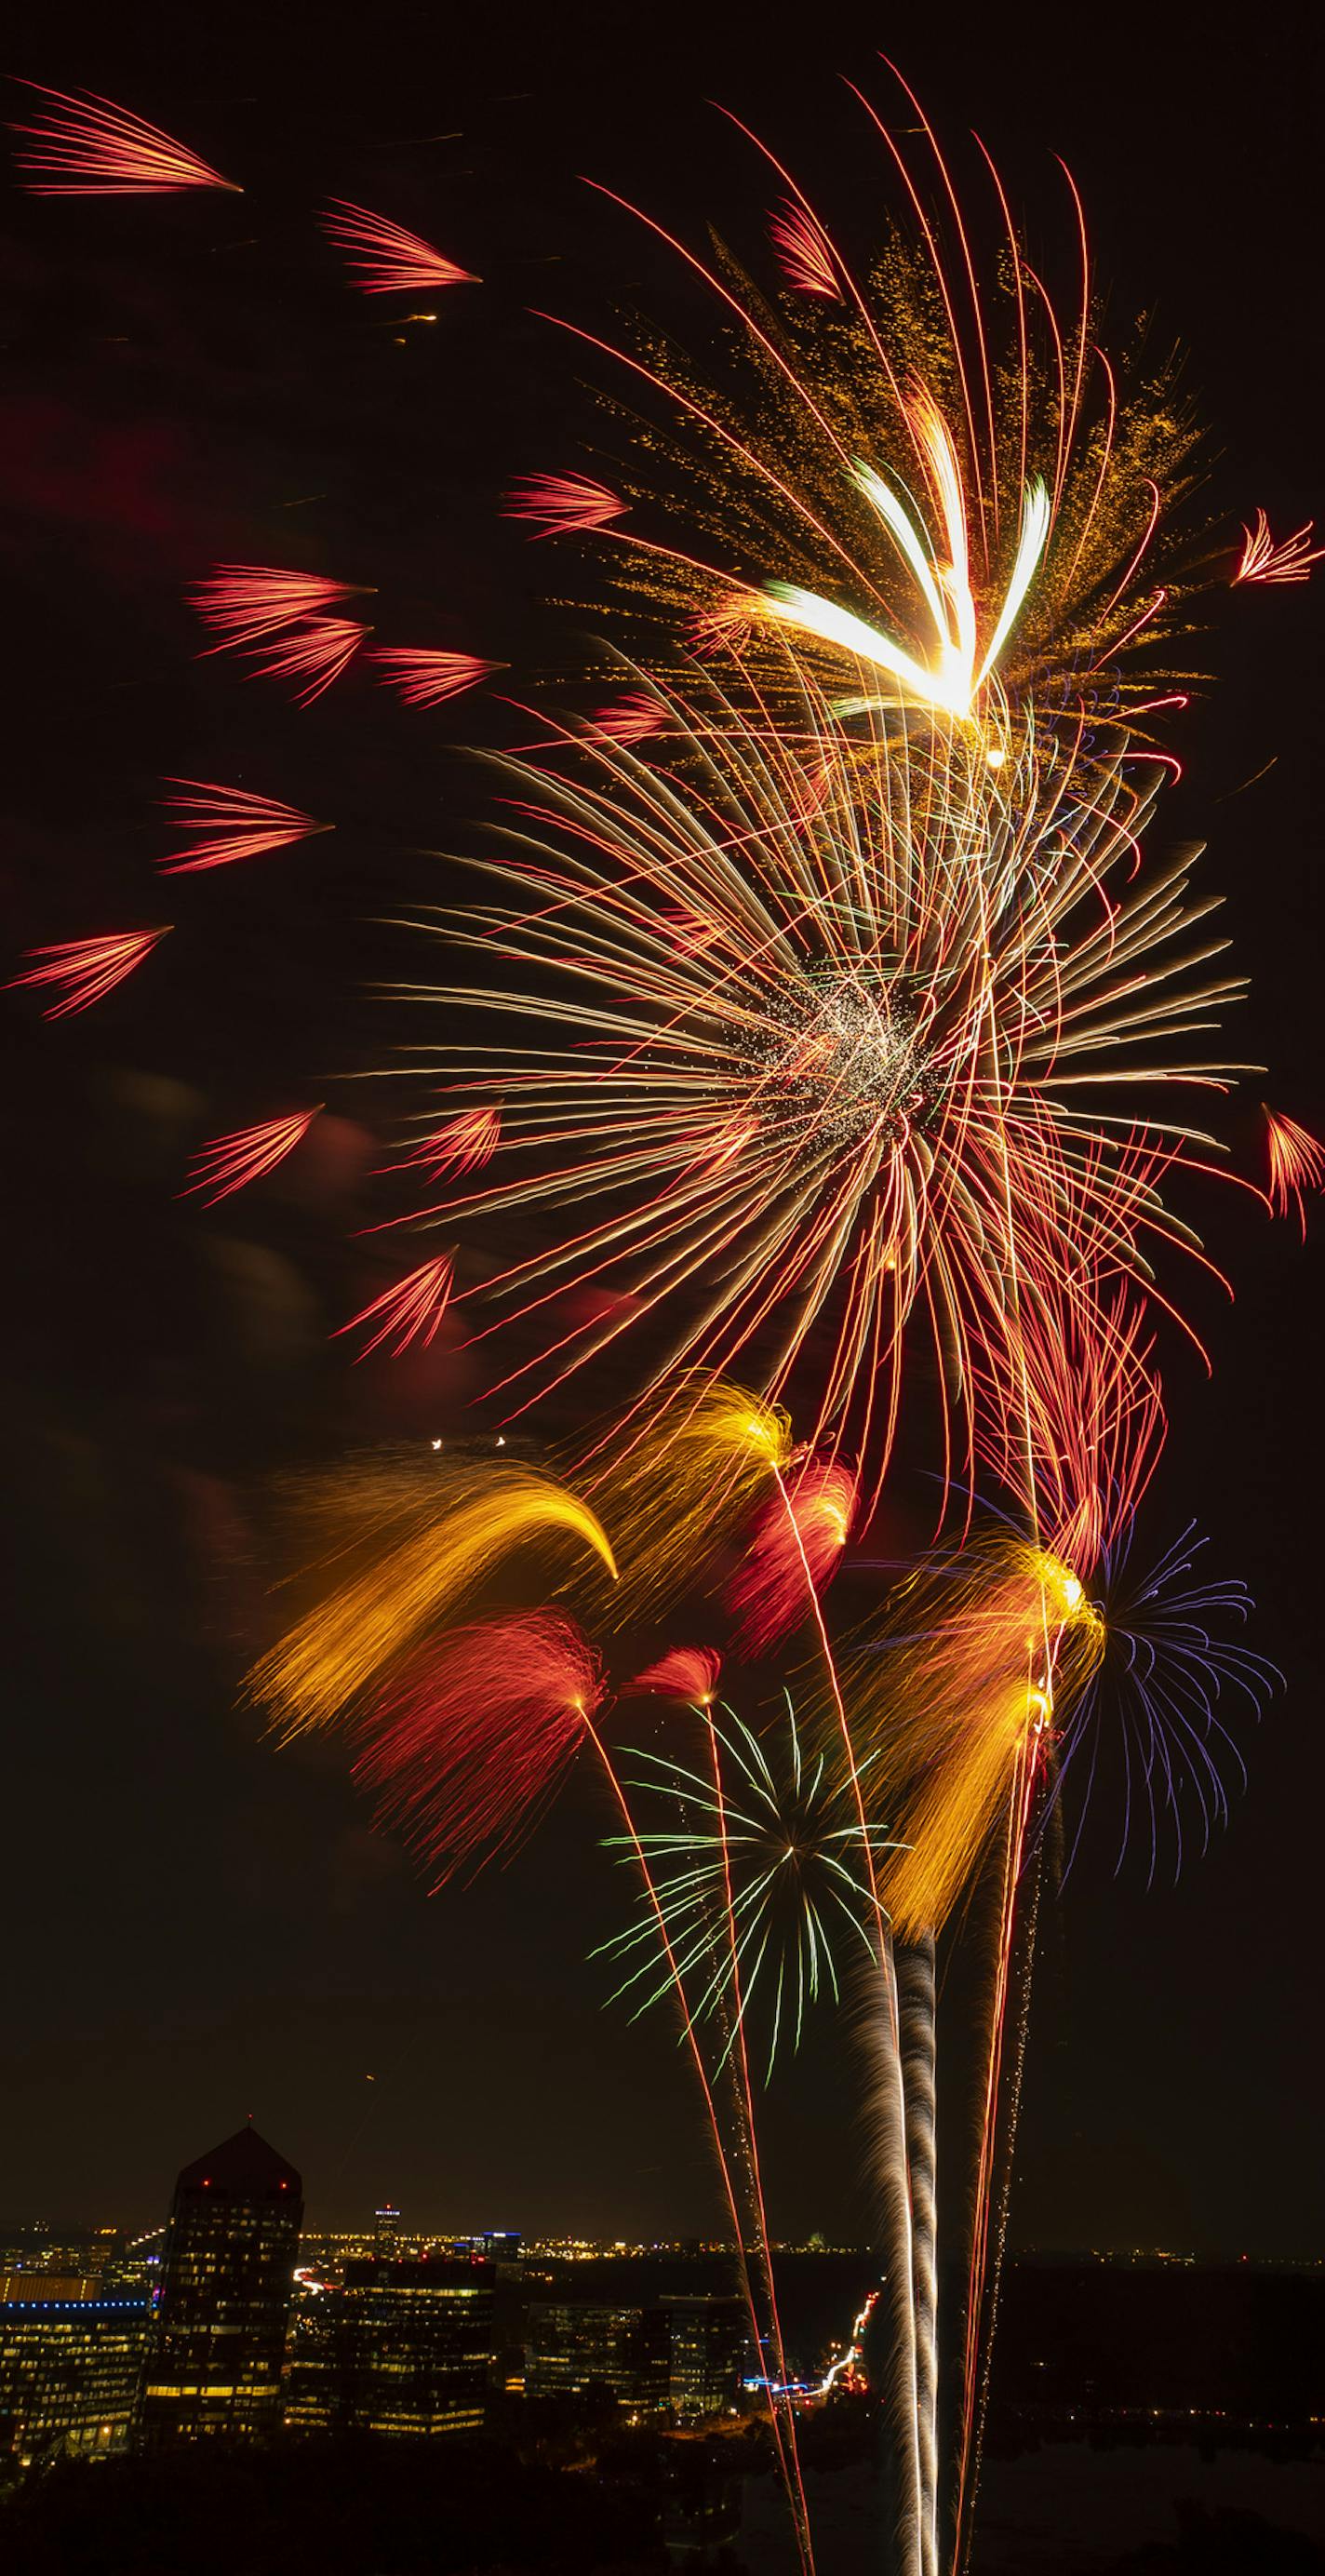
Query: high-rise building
(227, 2275)
(400, 2347)
(69, 2372)
(575, 2344)
(709, 2338)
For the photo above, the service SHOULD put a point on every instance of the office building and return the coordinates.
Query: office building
(709, 2345)
(399, 2348)
(227, 2274)
(69, 2372)
(573, 2345)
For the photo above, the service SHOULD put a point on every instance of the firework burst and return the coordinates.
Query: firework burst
(758, 1877)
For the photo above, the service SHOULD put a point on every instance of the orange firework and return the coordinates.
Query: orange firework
(234, 825)
(389, 260)
(411, 1311)
(558, 503)
(467, 1747)
(425, 678)
(230, 1162)
(242, 602)
(88, 147)
(1297, 1164)
(318, 653)
(1267, 559)
(688, 1673)
(88, 968)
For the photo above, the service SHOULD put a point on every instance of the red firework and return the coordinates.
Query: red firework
(423, 678)
(412, 1310)
(464, 1144)
(231, 1162)
(688, 1673)
(389, 260)
(234, 825)
(804, 251)
(318, 653)
(558, 504)
(88, 968)
(242, 602)
(630, 719)
(1297, 1164)
(88, 147)
(467, 1749)
(1288, 559)
(793, 1551)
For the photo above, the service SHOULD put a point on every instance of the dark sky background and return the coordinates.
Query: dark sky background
(194, 1926)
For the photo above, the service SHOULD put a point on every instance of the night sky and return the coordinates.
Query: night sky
(196, 1927)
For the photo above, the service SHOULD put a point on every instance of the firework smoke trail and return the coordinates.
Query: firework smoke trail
(896, 2173)
(916, 1979)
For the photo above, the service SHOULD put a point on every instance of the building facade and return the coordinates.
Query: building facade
(69, 2373)
(573, 2345)
(217, 2347)
(398, 2348)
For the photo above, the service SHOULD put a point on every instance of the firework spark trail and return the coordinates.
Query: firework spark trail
(555, 504)
(425, 677)
(632, 718)
(1018, 1817)
(234, 824)
(318, 653)
(87, 969)
(88, 147)
(463, 1144)
(420, 1550)
(411, 1310)
(244, 602)
(782, 2423)
(741, 2073)
(388, 260)
(231, 1162)
(973, 2453)
(1286, 559)
(1297, 1164)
